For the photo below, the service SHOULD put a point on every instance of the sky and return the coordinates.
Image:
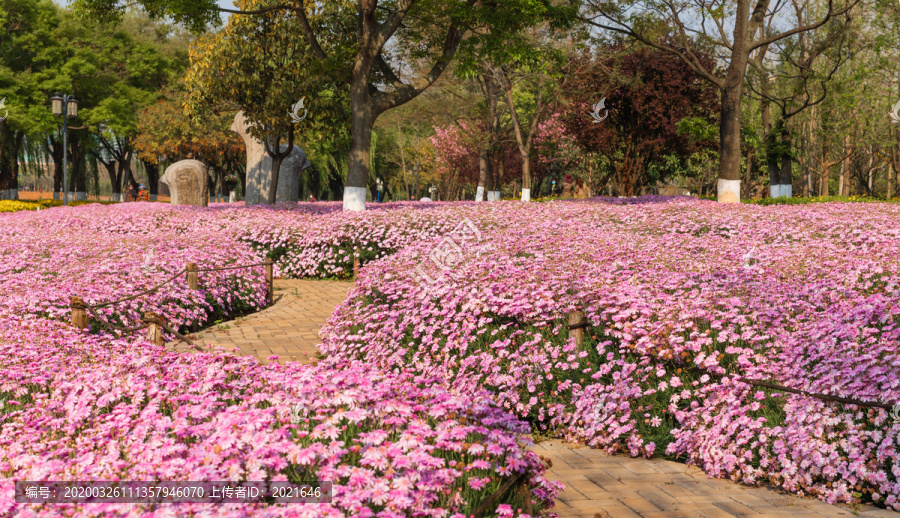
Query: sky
(229, 4)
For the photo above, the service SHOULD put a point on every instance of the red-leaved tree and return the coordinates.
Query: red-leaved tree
(648, 92)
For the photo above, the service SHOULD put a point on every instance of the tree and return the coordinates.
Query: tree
(429, 32)
(651, 94)
(688, 41)
(261, 65)
(164, 131)
(113, 76)
(26, 33)
(795, 86)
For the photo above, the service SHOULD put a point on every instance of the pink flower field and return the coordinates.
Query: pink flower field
(452, 349)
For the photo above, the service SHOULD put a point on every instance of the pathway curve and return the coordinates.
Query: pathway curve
(288, 329)
(598, 485)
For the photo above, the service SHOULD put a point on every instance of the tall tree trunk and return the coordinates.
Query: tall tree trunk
(56, 151)
(499, 173)
(844, 182)
(895, 157)
(482, 175)
(729, 185)
(494, 173)
(871, 182)
(79, 173)
(523, 139)
(808, 146)
(10, 144)
(772, 156)
(786, 180)
(360, 145)
(769, 139)
(526, 177)
(152, 179)
(403, 160)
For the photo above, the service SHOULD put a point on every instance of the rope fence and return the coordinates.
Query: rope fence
(577, 323)
(153, 322)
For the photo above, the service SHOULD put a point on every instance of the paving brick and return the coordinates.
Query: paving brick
(659, 499)
(735, 508)
(670, 514)
(618, 511)
(639, 505)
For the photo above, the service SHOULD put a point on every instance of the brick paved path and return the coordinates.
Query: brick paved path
(601, 485)
(597, 484)
(288, 329)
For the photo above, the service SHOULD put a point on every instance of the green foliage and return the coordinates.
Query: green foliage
(263, 65)
(698, 128)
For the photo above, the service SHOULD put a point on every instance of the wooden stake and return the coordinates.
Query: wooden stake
(270, 289)
(525, 493)
(576, 317)
(192, 276)
(154, 330)
(79, 313)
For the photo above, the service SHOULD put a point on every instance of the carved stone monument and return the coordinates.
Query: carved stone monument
(188, 183)
(259, 168)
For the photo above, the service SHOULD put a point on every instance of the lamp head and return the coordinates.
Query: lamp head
(73, 107)
(56, 104)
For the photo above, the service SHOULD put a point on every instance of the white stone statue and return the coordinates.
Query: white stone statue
(188, 183)
(259, 168)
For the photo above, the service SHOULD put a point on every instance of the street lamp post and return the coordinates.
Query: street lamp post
(67, 106)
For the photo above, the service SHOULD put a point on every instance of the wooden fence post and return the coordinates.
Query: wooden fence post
(192, 275)
(79, 313)
(576, 317)
(154, 330)
(270, 289)
(355, 263)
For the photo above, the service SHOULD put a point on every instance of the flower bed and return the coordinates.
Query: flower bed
(678, 293)
(78, 405)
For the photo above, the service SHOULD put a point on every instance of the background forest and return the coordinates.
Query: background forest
(815, 112)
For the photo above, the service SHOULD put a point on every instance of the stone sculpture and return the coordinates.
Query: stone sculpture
(259, 168)
(188, 183)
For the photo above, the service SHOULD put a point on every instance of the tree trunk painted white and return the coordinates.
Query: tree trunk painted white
(479, 193)
(232, 196)
(781, 190)
(80, 196)
(526, 194)
(153, 197)
(355, 198)
(493, 195)
(729, 191)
